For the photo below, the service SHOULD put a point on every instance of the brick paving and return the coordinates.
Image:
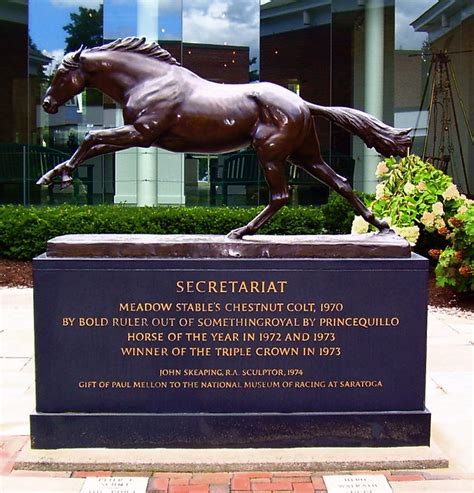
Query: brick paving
(229, 482)
(226, 482)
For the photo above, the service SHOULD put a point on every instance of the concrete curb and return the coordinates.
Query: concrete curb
(230, 460)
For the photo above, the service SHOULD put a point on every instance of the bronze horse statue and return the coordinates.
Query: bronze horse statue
(165, 105)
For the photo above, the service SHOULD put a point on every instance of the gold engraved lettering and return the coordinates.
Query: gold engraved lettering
(277, 351)
(263, 372)
(121, 385)
(93, 322)
(200, 351)
(196, 336)
(331, 307)
(301, 307)
(261, 385)
(310, 384)
(363, 322)
(297, 337)
(248, 322)
(144, 351)
(232, 352)
(330, 351)
(150, 385)
(221, 385)
(225, 336)
(231, 286)
(144, 336)
(198, 307)
(167, 372)
(91, 384)
(358, 384)
(253, 307)
(129, 322)
(145, 307)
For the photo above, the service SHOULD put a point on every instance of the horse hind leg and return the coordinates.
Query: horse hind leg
(274, 172)
(322, 171)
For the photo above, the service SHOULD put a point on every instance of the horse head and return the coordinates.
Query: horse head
(68, 81)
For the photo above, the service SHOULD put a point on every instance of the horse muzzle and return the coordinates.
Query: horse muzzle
(49, 106)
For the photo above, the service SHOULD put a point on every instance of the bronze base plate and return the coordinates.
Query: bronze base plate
(371, 245)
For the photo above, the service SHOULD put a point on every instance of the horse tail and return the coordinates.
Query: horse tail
(386, 140)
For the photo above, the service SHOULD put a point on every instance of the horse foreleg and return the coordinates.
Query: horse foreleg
(47, 178)
(62, 168)
(279, 196)
(96, 143)
(341, 185)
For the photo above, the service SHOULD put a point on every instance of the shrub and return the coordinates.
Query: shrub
(25, 230)
(339, 214)
(456, 262)
(423, 205)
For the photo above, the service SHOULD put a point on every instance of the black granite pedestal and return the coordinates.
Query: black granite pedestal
(144, 351)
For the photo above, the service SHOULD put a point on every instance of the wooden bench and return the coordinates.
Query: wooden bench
(242, 168)
(20, 167)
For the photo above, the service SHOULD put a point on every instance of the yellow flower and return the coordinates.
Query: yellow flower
(451, 192)
(359, 225)
(382, 169)
(428, 219)
(462, 209)
(439, 223)
(422, 186)
(379, 191)
(409, 188)
(438, 209)
(410, 233)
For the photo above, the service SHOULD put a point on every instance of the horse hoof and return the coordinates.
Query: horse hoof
(382, 226)
(65, 183)
(43, 181)
(236, 234)
(386, 231)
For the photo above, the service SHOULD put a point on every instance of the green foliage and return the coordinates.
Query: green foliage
(410, 188)
(423, 205)
(85, 28)
(339, 214)
(456, 262)
(24, 231)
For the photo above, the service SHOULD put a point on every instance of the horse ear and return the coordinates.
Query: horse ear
(77, 54)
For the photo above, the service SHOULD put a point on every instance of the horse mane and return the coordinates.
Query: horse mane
(130, 45)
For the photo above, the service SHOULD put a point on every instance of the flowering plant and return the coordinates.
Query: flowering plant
(422, 204)
(456, 262)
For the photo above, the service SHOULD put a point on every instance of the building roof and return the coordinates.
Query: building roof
(442, 17)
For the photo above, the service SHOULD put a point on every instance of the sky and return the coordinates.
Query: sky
(406, 12)
(233, 22)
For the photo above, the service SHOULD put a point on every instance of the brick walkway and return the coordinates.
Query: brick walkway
(261, 482)
(235, 482)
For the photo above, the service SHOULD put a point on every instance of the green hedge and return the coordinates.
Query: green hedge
(24, 231)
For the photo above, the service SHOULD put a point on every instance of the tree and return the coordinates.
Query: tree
(85, 28)
(253, 74)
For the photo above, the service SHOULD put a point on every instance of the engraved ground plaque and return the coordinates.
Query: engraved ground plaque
(357, 483)
(115, 485)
